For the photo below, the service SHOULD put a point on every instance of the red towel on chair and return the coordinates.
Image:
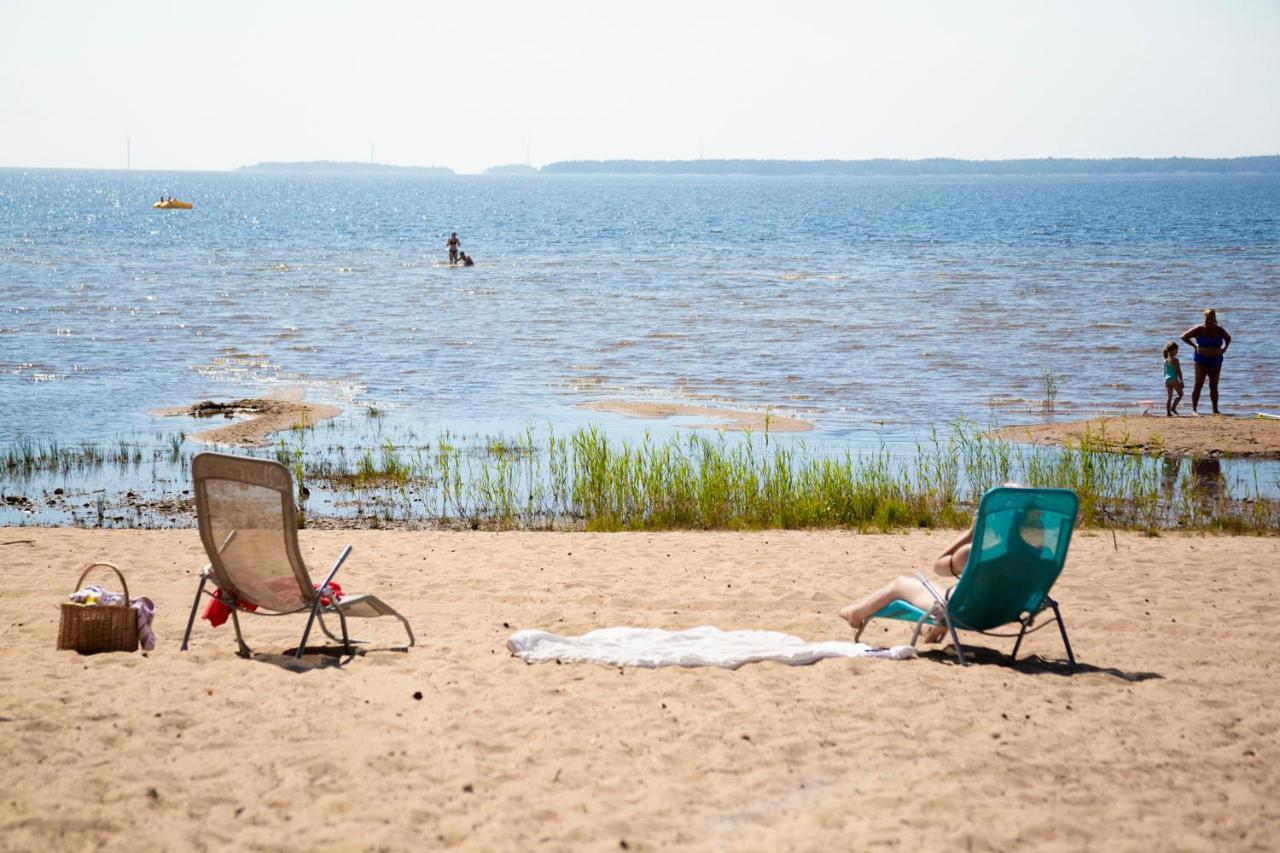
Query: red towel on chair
(218, 612)
(334, 588)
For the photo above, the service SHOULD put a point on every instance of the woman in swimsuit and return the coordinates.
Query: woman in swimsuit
(949, 564)
(1210, 342)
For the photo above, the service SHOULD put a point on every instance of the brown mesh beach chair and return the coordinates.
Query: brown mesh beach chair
(248, 525)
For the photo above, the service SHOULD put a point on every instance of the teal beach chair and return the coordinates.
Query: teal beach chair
(1020, 540)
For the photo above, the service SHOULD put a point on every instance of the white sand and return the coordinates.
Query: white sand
(1168, 737)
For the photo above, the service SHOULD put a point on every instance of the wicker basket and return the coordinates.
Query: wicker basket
(92, 628)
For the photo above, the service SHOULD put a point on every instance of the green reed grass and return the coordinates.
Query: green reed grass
(587, 480)
(713, 481)
(701, 481)
(28, 457)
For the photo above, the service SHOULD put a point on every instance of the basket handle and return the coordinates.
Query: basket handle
(112, 567)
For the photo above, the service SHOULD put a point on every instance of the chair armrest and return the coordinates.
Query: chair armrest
(933, 590)
(342, 558)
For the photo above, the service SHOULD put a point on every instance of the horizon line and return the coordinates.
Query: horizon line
(702, 162)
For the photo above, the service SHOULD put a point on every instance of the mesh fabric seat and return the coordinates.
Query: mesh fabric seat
(1020, 539)
(248, 525)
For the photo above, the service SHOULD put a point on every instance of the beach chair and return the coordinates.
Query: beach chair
(244, 508)
(1020, 540)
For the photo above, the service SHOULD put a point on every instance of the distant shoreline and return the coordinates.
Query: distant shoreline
(934, 166)
(931, 167)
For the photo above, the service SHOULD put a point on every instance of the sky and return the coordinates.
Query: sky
(470, 85)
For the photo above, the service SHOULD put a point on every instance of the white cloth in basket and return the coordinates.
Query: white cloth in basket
(143, 606)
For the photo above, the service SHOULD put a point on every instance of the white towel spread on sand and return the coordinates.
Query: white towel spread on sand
(702, 646)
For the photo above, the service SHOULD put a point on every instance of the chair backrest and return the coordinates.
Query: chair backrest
(244, 508)
(1020, 540)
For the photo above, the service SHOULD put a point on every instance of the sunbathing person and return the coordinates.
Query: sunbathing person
(949, 564)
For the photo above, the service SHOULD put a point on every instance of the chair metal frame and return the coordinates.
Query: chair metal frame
(940, 614)
(272, 475)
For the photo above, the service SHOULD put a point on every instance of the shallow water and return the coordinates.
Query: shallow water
(873, 307)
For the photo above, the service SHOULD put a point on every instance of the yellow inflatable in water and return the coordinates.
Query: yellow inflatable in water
(172, 204)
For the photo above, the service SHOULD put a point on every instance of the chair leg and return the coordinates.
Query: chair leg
(915, 635)
(244, 651)
(1013, 656)
(955, 641)
(412, 641)
(1062, 627)
(346, 638)
(191, 620)
(311, 618)
(325, 627)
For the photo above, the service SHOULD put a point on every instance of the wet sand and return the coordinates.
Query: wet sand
(726, 419)
(1168, 736)
(1246, 437)
(253, 421)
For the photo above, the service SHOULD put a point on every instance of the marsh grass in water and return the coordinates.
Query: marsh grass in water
(27, 457)
(698, 480)
(1052, 380)
(590, 481)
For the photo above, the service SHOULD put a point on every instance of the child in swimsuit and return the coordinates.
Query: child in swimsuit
(1172, 380)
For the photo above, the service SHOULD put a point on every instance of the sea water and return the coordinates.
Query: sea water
(872, 307)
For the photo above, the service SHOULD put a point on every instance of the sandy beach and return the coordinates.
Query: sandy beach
(1167, 735)
(1244, 437)
(734, 420)
(252, 422)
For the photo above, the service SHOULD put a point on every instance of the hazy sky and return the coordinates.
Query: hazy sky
(220, 84)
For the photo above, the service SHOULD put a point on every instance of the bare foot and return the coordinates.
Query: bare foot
(935, 633)
(849, 613)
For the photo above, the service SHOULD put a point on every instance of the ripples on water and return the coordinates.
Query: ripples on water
(874, 307)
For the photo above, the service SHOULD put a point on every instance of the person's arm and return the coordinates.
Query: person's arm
(1226, 339)
(950, 563)
(1190, 334)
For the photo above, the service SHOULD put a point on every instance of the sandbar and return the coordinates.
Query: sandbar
(1166, 736)
(726, 419)
(1244, 437)
(252, 421)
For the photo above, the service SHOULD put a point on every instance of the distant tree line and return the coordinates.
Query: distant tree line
(934, 166)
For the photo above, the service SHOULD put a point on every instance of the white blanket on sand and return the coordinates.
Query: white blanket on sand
(703, 646)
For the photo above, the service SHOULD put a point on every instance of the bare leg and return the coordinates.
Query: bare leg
(950, 563)
(1168, 401)
(1214, 372)
(1195, 391)
(905, 587)
(1178, 399)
